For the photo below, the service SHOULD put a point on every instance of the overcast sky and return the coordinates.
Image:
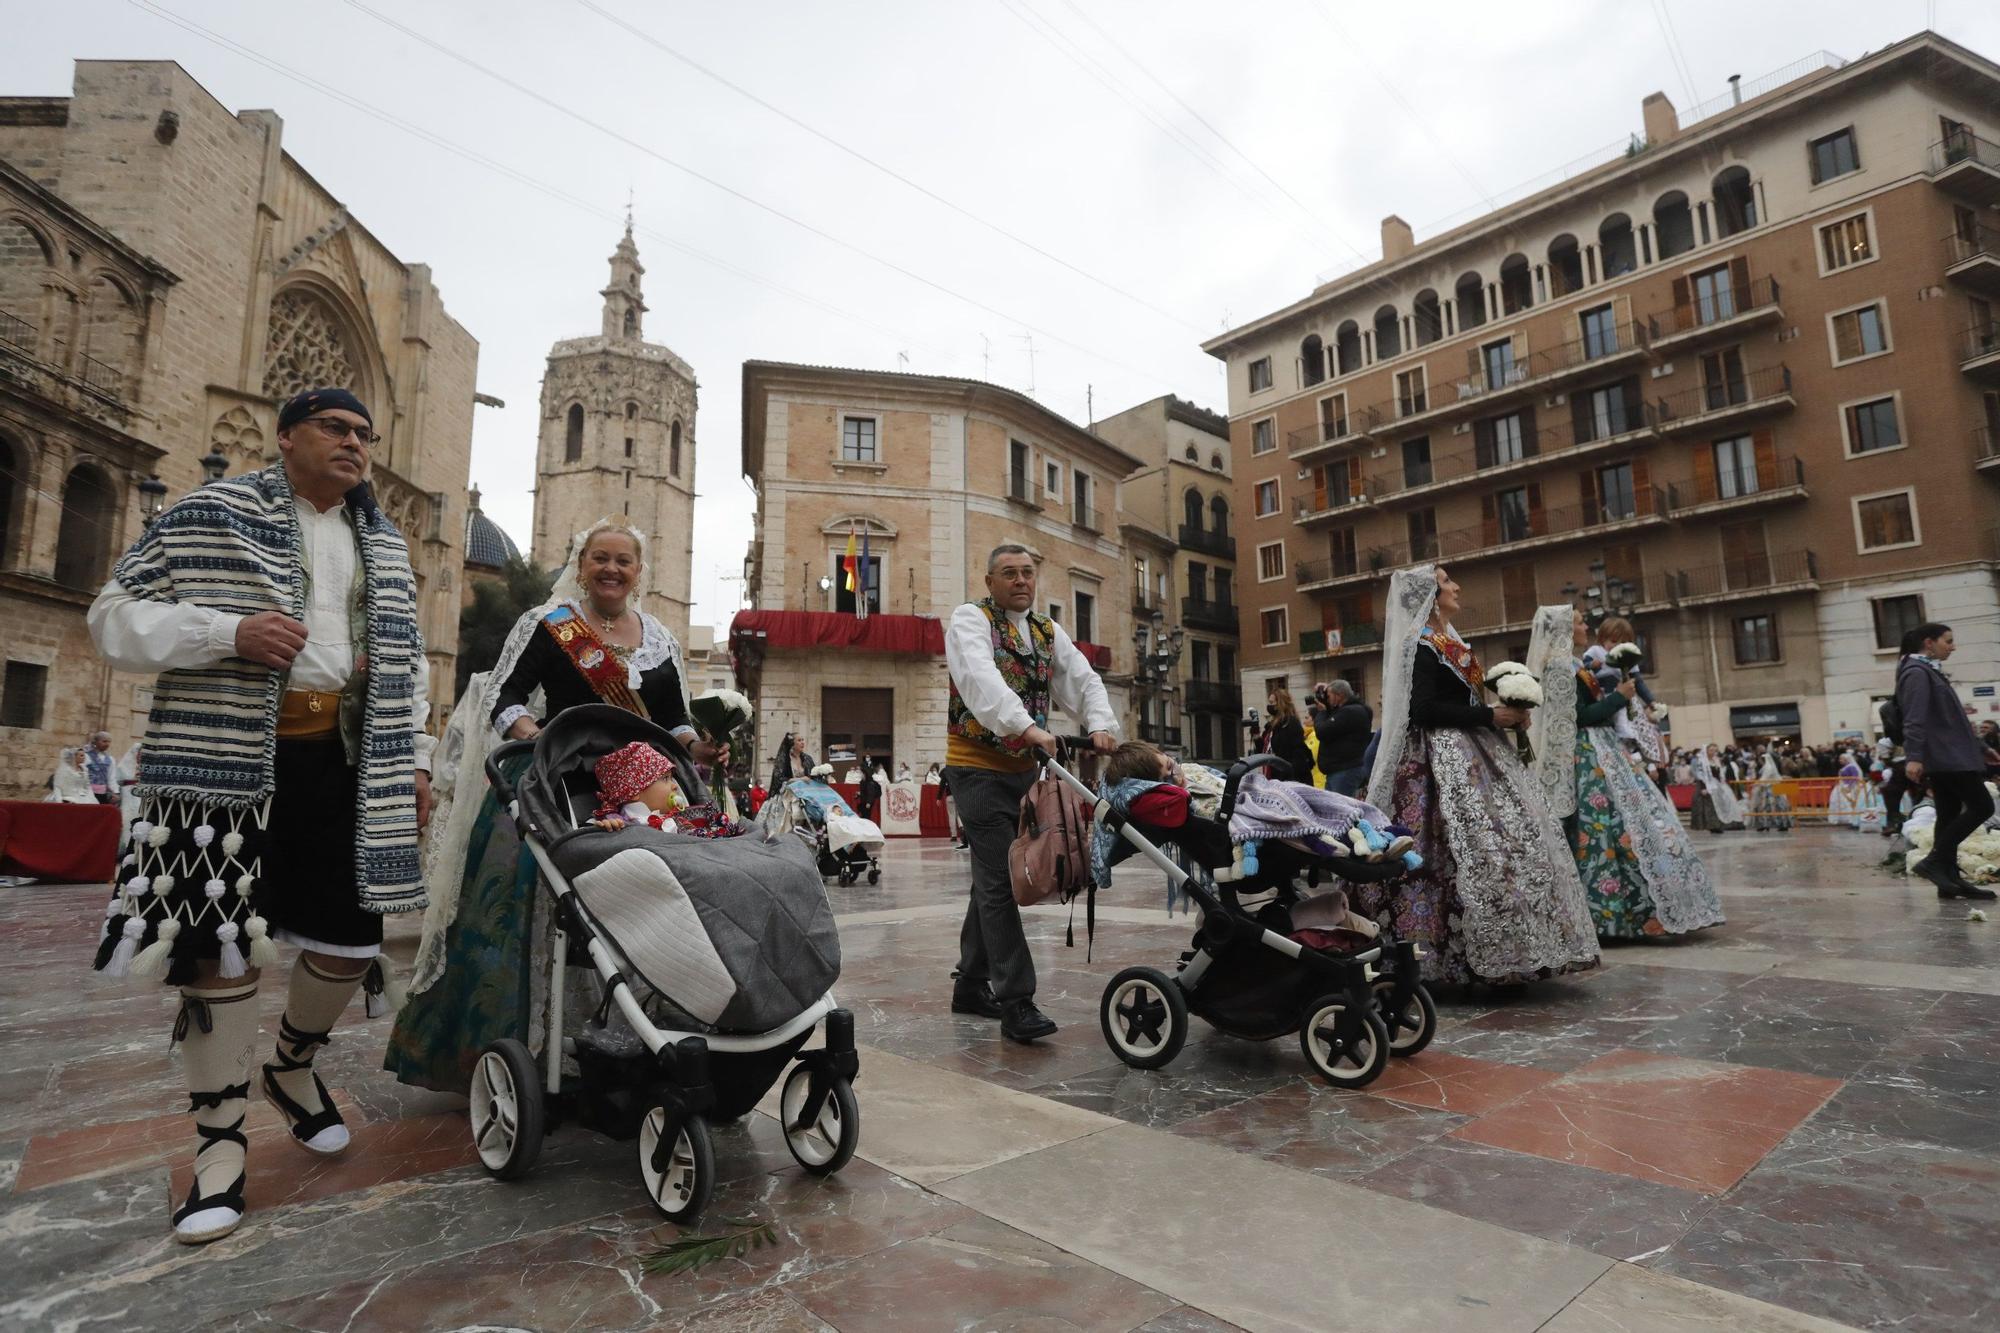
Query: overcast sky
(1109, 181)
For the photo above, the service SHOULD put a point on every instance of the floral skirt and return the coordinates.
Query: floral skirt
(1497, 899)
(487, 988)
(1639, 871)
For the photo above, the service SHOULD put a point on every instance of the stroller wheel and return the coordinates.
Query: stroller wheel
(507, 1121)
(875, 874)
(1144, 1017)
(1411, 1029)
(1349, 1050)
(679, 1176)
(821, 1138)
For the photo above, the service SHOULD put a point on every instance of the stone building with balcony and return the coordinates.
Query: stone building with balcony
(168, 275)
(1742, 382)
(928, 473)
(1183, 555)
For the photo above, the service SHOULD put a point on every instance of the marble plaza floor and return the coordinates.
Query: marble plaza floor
(1792, 1123)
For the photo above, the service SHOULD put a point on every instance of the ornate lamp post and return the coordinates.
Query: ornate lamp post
(152, 500)
(1604, 597)
(214, 467)
(1157, 651)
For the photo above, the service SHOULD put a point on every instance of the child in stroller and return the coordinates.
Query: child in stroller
(1292, 962)
(845, 845)
(714, 954)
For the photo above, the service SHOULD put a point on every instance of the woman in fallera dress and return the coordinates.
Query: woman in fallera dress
(1497, 899)
(481, 968)
(1639, 872)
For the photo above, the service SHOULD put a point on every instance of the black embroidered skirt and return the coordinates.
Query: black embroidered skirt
(308, 886)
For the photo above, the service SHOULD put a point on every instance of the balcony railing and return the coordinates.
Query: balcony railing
(1159, 734)
(1724, 306)
(1749, 575)
(1743, 482)
(1319, 571)
(1209, 541)
(1305, 508)
(1769, 386)
(1345, 639)
(1086, 517)
(1357, 424)
(1550, 443)
(1541, 368)
(1978, 242)
(1213, 696)
(17, 333)
(1963, 146)
(106, 379)
(1538, 526)
(1205, 614)
(1981, 342)
(1985, 446)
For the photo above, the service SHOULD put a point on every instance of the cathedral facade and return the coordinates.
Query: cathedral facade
(617, 441)
(168, 275)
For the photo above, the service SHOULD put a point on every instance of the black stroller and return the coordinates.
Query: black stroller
(1354, 1001)
(714, 955)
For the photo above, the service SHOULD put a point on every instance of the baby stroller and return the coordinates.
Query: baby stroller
(1354, 1000)
(715, 956)
(846, 845)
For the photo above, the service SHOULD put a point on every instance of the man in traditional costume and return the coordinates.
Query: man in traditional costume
(1008, 664)
(283, 779)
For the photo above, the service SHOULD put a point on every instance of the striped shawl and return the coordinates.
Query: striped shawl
(233, 545)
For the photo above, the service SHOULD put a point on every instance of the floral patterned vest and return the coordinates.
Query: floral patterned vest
(1027, 662)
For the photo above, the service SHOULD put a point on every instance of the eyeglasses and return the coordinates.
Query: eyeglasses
(336, 429)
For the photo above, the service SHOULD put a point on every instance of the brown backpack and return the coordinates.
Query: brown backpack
(1050, 855)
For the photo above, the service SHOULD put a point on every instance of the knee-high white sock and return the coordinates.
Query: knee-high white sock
(313, 1005)
(216, 1058)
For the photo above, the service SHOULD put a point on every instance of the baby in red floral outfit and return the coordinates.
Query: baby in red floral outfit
(636, 785)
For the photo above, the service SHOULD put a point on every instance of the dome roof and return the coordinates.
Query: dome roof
(485, 543)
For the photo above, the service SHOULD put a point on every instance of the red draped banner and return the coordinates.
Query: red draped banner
(909, 636)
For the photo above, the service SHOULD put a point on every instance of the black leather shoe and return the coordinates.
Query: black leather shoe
(1948, 884)
(1021, 1021)
(975, 998)
(1967, 889)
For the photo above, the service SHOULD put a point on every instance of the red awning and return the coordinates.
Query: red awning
(911, 636)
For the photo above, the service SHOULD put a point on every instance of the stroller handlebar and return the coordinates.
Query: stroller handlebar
(498, 779)
(1279, 770)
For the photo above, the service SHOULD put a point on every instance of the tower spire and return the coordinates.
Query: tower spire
(624, 302)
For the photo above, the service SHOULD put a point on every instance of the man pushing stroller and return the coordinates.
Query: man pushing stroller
(1009, 665)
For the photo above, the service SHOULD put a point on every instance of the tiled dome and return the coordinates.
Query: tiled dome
(485, 543)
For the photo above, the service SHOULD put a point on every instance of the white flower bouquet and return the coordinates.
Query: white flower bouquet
(1625, 656)
(1515, 686)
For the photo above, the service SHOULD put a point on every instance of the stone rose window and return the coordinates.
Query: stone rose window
(308, 348)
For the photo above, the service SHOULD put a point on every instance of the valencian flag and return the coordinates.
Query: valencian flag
(847, 562)
(861, 596)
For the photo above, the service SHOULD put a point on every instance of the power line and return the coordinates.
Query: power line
(1395, 94)
(1111, 83)
(1665, 19)
(710, 181)
(888, 171)
(520, 177)
(1204, 122)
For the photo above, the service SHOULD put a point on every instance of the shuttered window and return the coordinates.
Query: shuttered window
(1859, 333)
(1845, 242)
(1887, 520)
(1872, 426)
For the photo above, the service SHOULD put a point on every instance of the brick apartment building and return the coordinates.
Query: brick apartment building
(1742, 381)
(935, 472)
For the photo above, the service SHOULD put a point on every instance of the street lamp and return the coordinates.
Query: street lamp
(214, 466)
(1606, 596)
(152, 500)
(1156, 651)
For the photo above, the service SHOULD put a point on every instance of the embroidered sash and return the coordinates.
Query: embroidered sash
(1457, 654)
(593, 660)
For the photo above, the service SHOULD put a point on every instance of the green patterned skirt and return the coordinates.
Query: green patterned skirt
(1613, 881)
(486, 990)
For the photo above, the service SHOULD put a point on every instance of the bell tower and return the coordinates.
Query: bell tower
(617, 441)
(624, 303)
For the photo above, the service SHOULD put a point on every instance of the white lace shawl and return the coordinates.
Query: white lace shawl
(1552, 730)
(468, 739)
(1412, 594)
